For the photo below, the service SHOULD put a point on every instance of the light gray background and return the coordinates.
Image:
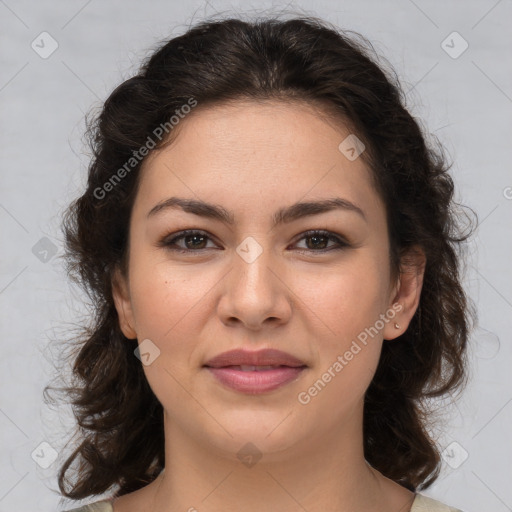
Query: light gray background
(466, 101)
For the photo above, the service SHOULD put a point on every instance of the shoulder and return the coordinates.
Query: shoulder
(97, 506)
(425, 504)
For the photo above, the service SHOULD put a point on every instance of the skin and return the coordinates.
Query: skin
(252, 159)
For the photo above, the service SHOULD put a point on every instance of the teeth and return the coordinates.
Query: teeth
(250, 368)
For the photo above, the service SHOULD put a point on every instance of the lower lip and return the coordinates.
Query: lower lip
(256, 381)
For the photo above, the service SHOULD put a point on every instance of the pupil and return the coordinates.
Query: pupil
(317, 237)
(195, 237)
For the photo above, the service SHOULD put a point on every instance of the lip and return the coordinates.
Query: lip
(265, 357)
(225, 368)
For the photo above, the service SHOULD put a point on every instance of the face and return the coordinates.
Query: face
(254, 283)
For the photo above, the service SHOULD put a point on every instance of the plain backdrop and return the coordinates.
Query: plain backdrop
(60, 60)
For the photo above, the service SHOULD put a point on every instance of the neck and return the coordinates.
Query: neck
(325, 473)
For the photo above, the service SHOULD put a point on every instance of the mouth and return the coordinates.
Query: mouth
(260, 358)
(255, 372)
(253, 368)
(256, 379)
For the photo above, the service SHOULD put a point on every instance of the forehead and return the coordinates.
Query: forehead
(245, 150)
(240, 126)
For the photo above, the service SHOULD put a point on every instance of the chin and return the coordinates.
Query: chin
(269, 431)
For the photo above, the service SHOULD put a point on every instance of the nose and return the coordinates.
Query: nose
(255, 293)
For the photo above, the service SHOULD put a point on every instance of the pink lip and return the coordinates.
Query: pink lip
(265, 357)
(224, 368)
(257, 381)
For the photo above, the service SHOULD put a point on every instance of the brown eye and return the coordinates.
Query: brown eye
(319, 240)
(196, 241)
(193, 241)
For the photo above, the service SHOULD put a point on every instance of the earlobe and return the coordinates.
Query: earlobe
(407, 298)
(121, 296)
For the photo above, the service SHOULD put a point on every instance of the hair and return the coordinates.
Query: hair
(300, 59)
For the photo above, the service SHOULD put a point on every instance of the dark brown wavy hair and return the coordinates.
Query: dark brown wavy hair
(120, 421)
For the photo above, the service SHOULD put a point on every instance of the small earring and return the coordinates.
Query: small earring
(397, 326)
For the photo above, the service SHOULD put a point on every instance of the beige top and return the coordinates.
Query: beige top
(421, 503)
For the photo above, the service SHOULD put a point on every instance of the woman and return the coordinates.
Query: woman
(271, 248)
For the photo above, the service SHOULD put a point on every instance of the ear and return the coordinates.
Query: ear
(405, 297)
(121, 295)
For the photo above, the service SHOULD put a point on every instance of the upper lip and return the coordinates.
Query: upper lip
(265, 357)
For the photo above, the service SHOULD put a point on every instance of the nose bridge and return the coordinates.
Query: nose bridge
(253, 293)
(252, 266)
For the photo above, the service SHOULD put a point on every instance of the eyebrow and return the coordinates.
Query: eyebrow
(283, 216)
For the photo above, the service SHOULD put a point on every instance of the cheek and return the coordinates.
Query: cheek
(167, 307)
(167, 303)
(165, 298)
(349, 304)
(346, 300)
(347, 357)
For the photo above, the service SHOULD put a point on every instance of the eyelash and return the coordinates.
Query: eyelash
(168, 243)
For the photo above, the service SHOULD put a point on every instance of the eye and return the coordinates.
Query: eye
(319, 239)
(196, 240)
